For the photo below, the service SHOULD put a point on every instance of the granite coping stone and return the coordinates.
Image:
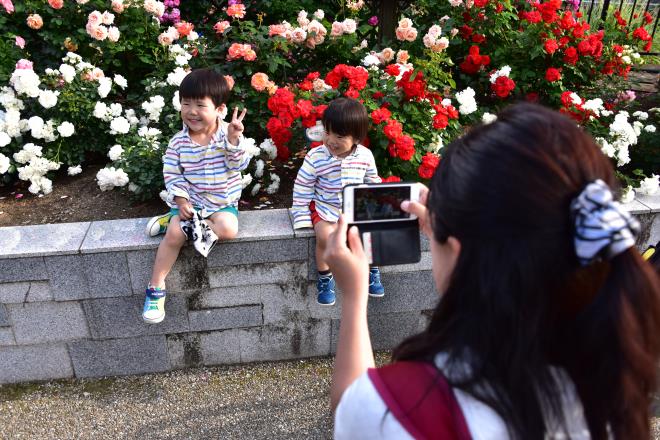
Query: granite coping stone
(652, 202)
(118, 235)
(41, 240)
(636, 207)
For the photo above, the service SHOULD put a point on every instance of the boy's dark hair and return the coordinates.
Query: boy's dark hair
(203, 83)
(347, 117)
(518, 300)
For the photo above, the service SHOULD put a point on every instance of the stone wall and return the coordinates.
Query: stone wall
(71, 299)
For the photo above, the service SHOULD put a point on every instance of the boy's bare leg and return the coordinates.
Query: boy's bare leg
(322, 230)
(224, 224)
(167, 253)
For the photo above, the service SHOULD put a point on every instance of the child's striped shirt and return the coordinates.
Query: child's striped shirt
(321, 179)
(208, 176)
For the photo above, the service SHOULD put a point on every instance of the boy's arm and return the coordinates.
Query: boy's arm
(175, 183)
(371, 176)
(236, 156)
(303, 194)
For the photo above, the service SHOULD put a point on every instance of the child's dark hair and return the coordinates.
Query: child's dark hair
(518, 300)
(347, 117)
(203, 83)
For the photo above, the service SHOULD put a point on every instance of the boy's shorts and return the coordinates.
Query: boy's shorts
(315, 215)
(231, 209)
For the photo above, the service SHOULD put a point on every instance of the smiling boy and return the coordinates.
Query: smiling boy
(202, 171)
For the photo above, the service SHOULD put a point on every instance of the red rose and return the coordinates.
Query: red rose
(499, 8)
(440, 121)
(642, 34)
(552, 74)
(393, 129)
(571, 55)
(478, 38)
(305, 107)
(380, 115)
(315, 144)
(430, 162)
(393, 70)
(532, 97)
(405, 147)
(306, 86)
(550, 46)
(391, 179)
(503, 86)
(283, 153)
(480, 3)
(352, 93)
(584, 47)
(567, 21)
(413, 87)
(378, 95)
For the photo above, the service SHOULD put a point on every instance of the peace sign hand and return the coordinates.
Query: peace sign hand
(235, 128)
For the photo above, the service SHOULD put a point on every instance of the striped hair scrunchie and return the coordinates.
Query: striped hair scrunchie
(603, 228)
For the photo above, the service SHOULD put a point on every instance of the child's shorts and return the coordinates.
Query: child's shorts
(231, 209)
(315, 215)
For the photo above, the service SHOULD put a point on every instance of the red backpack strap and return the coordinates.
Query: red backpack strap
(421, 400)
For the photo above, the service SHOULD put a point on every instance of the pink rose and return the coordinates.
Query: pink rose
(108, 18)
(410, 34)
(8, 5)
(118, 6)
(405, 23)
(24, 64)
(400, 34)
(97, 74)
(310, 43)
(276, 30)
(250, 55)
(165, 39)
(94, 18)
(235, 51)
(337, 29)
(113, 34)
(56, 4)
(387, 54)
(20, 42)
(440, 44)
(99, 33)
(34, 21)
(402, 57)
(316, 28)
(259, 81)
(221, 26)
(349, 26)
(298, 35)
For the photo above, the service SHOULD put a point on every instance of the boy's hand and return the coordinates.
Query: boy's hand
(235, 127)
(186, 210)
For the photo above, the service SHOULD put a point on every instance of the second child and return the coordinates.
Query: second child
(317, 192)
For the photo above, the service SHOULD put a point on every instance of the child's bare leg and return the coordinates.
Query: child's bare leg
(322, 230)
(167, 253)
(224, 224)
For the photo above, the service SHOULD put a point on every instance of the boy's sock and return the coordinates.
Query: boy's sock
(154, 305)
(326, 288)
(376, 288)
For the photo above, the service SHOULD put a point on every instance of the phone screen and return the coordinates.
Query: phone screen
(380, 203)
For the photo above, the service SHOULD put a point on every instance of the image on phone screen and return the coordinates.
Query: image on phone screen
(375, 203)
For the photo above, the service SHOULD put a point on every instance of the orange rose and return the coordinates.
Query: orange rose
(34, 21)
(235, 51)
(259, 81)
(387, 54)
(276, 29)
(70, 45)
(56, 4)
(250, 55)
(230, 81)
(402, 57)
(221, 26)
(184, 28)
(236, 10)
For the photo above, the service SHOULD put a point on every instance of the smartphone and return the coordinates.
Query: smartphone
(378, 202)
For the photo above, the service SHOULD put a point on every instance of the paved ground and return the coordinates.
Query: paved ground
(283, 400)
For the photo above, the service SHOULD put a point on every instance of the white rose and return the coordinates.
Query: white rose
(120, 125)
(100, 110)
(66, 129)
(649, 186)
(115, 152)
(650, 128)
(105, 85)
(487, 118)
(36, 125)
(68, 72)
(319, 14)
(4, 163)
(48, 98)
(5, 139)
(176, 103)
(72, 171)
(627, 195)
(120, 81)
(246, 180)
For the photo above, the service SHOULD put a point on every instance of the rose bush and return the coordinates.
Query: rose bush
(72, 71)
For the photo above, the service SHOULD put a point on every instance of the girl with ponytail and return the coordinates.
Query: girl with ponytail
(548, 320)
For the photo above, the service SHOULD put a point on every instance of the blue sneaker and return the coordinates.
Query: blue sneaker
(154, 305)
(326, 288)
(376, 288)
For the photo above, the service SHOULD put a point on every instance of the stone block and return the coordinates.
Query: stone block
(35, 323)
(312, 270)
(14, 292)
(22, 269)
(119, 235)
(223, 347)
(225, 318)
(122, 317)
(39, 291)
(424, 263)
(4, 319)
(67, 277)
(188, 274)
(183, 350)
(271, 224)
(405, 291)
(118, 357)
(7, 336)
(40, 240)
(318, 311)
(34, 363)
(651, 202)
(289, 341)
(267, 273)
(227, 296)
(253, 252)
(385, 330)
(107, 275)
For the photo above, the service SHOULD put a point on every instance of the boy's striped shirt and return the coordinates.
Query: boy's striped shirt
(208, 176)
(321, 179)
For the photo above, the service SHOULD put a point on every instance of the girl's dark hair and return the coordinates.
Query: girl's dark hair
(518, 301)
(205, 83)
(347, 117)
